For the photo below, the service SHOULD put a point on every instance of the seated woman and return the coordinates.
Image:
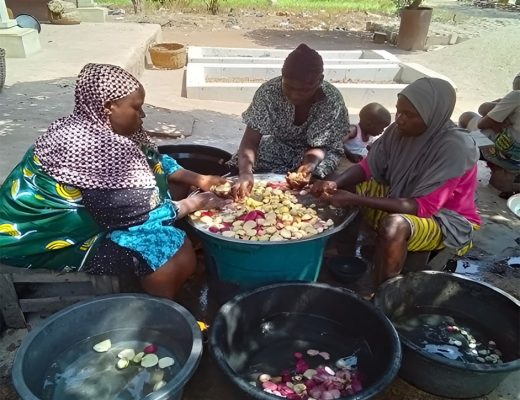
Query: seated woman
(92, 193)
(295, 122)
(500, 121)
(417, 185)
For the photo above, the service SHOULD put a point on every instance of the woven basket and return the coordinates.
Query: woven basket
(168, 55)
(2, 68)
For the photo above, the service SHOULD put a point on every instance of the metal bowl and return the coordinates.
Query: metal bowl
(341, 217)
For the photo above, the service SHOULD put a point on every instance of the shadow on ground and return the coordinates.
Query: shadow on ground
(29, 108)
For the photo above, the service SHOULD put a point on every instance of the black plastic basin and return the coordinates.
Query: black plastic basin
(346, 269)
(204, 160)
(496, 313)
(116, 317)
(272, 320)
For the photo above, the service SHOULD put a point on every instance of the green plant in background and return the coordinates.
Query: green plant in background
(407, 3)
(212, 6)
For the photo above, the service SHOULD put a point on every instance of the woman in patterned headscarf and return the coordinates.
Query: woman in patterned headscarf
(417, 185)
(92, 193)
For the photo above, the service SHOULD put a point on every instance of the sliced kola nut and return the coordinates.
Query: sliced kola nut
(159, 385)
(129, 354)
(264, 238)
(229, 234)
(260, 221)
(166, 362)
(249, 225)
(253, 239)
(103, 346)
(264, 378)
(270, 215)
(122, 363)
(309, 373)
(156, 375)
(271, 230)
(206, 220)
(238, 223)
(138, 357)
(149, 360)
(285, 233)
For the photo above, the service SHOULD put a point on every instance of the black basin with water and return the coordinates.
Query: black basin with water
(204, 160)
(494, 312)
(124, 317)
(263, 328)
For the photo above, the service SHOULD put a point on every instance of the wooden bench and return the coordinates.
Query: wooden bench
(14, 301)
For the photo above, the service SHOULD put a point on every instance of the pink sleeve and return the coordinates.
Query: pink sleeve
(366, 168)
(429, 205)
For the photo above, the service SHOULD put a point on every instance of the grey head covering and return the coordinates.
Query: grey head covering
(416, 166)
(516, 82)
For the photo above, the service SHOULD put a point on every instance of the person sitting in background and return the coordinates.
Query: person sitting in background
(92, 193)
(417, 185)
(373, 119)
(295, 122)
(500, 121)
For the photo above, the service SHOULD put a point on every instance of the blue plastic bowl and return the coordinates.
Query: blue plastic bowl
(28, 21)
(346, 269)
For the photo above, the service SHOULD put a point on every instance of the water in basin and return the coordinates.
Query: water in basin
(454, 337)
(80, 373)
(271, 345)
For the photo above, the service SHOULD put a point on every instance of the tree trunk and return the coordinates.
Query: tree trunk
(138, 6)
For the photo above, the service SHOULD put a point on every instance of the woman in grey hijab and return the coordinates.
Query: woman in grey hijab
(417, 185)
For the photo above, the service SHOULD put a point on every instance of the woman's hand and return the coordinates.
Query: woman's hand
(306, 172)
(208, 200)
(320, 188)
(243, 187)
(206, 182)
(200, 201)
(340, 198)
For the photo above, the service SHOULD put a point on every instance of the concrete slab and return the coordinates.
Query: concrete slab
(19, 42)
(93, 14)
(217, 73)
(65, 49)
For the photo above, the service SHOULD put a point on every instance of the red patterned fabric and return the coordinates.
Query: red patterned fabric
(82, 149)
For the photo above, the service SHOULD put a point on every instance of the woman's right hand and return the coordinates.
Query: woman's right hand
(208, 201)
(319, 188)
(243, 187)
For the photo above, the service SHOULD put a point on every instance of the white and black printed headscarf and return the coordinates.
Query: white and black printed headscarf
(82, 149)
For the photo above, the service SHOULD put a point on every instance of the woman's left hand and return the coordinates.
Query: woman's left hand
(206, 182)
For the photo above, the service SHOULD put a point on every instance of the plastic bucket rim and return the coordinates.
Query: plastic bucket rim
(376, 387)
(256, 244)
(184, 148)
(180, 379)
(509, 366)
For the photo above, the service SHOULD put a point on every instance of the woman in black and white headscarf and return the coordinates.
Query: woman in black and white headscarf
(92, 194)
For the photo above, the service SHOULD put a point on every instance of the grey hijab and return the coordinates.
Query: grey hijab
(416, 166)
